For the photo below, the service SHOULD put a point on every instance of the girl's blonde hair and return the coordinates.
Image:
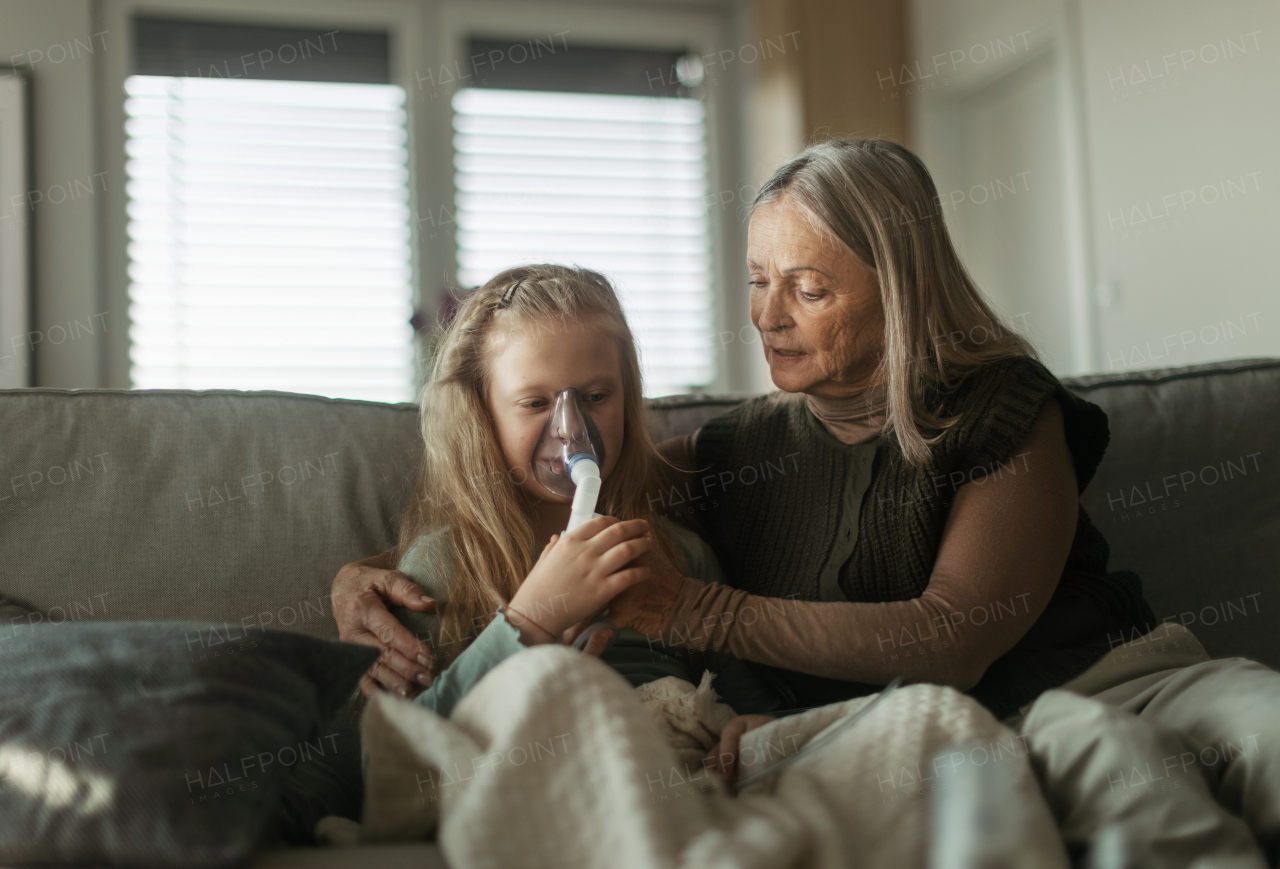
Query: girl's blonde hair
(466, 487)
(877, 198)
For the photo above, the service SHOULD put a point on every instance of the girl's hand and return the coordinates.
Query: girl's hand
(580, 572)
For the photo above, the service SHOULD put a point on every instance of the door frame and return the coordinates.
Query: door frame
(935, 118)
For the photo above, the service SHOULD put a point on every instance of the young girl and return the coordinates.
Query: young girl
(483, 536)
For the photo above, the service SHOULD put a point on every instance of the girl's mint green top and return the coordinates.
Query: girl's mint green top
(429, 563)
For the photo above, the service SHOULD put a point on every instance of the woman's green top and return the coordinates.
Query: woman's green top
(799, 514)
(429, 563)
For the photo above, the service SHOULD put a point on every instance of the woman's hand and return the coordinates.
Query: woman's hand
(359, 593)
(723, 758)
(647, 607)
(578, 573)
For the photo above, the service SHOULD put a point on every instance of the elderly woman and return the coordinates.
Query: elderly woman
(916, 478)
(912, 506)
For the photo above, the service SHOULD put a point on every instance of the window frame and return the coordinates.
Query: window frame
(424, 35)
(402, 19)
(702, 29)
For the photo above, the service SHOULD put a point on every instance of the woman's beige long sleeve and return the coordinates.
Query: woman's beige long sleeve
(1000, 559)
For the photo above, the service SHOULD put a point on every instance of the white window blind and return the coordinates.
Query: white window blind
(269, 242)
(613, 183)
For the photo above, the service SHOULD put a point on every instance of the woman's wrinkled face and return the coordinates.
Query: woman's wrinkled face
(529, 362)
(816, 305)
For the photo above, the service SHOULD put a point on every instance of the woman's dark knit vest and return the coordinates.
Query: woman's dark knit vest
(773, 535)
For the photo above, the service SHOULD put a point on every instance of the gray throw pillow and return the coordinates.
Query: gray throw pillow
(158, 743)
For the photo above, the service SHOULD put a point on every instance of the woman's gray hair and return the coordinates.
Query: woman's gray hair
(877, 198)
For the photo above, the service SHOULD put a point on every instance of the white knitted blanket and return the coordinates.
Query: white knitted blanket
(553, 760)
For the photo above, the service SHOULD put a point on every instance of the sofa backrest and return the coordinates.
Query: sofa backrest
(221, 506)
(240, 507)
(1188, 495)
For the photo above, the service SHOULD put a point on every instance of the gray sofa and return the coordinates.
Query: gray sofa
(240, 507)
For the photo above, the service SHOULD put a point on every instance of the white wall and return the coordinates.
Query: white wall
(43, 36)
(1173, 265)
(1194, 265)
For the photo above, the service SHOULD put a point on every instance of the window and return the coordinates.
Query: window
(268, 218)
(574, 160)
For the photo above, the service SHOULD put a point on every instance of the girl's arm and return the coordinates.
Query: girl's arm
(497, 642)
(1003, 548)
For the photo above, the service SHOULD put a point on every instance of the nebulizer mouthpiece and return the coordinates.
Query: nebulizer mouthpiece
(567, 457)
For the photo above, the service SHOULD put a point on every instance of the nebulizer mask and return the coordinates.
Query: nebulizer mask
(566, 460)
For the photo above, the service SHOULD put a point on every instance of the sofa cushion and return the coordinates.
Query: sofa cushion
(159, 743)
(216, 506)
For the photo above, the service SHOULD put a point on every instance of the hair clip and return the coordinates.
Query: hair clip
(509, 294)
